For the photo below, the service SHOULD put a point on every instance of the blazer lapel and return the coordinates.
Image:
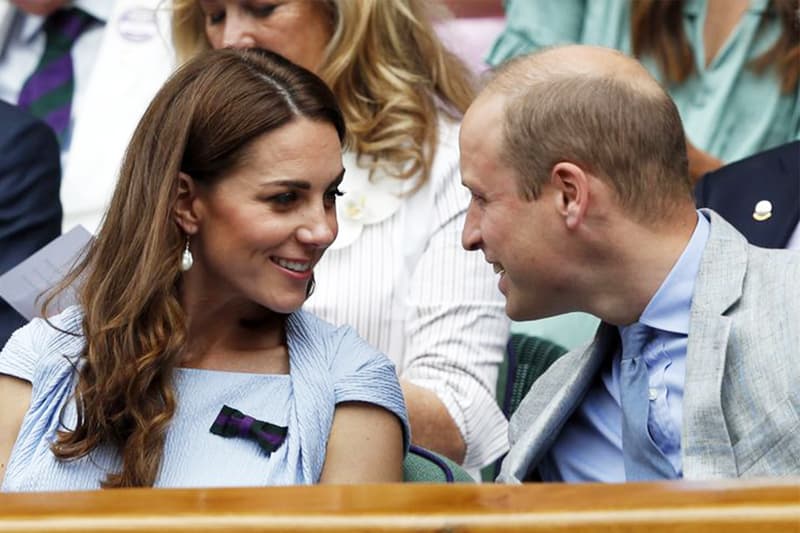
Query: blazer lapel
(550, 402)
(6, 17)
(706, 445)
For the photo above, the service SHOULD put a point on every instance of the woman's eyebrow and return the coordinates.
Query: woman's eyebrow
(294, 184)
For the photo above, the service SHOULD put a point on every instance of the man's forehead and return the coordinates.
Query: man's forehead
(488, 105)
(482, 126)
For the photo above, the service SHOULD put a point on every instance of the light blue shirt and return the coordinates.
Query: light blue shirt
(328, 366)
(728, 109)
(589, 448)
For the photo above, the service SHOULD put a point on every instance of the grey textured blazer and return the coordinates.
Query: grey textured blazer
(741, 404)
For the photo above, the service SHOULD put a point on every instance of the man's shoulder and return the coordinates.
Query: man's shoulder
(773, 273)
(774, 258)
(757, 290)
(26, 144)
(16, 121)
(546, 387)
(742, 362)
(773, 279)
(735, 272)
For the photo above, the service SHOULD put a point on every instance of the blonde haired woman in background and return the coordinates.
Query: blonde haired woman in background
(396, 272)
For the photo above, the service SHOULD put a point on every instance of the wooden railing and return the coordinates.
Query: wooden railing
(731, 506)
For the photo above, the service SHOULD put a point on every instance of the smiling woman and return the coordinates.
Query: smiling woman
(188, 362)
(261, 230)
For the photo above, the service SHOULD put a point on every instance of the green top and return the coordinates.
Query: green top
(727, 109)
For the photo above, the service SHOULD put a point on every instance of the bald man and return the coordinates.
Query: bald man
(581, 199)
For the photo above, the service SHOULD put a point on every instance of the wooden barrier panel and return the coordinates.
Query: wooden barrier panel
(729, 506)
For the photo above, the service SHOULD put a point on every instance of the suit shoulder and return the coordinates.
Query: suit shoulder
(774, 271)
(23, 129)
(774, 258)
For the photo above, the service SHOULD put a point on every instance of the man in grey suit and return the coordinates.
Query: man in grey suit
(581, 199)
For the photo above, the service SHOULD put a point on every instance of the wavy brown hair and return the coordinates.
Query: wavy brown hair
(657, 31)
(391, 75)
(201, 122)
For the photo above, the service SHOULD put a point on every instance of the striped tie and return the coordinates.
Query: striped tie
(47, 93)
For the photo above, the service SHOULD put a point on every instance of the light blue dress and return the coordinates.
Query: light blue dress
(728, 110)
(328, 365)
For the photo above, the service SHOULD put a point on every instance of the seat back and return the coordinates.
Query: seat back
(527, 358)
(425, 466)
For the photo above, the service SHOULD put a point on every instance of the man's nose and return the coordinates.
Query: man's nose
(471, 235)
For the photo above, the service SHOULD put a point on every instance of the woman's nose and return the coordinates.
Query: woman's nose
(238, 32)
(320, 231)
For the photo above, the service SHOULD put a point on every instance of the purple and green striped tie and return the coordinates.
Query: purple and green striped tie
(47, 93)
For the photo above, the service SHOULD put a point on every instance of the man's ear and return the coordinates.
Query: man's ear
(572, 192)
(185, 210)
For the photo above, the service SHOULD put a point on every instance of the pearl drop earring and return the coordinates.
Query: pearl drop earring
(186, 258)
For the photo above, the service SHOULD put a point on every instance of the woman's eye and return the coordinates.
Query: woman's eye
(283, 199)
(215, 17)
(261, 11)
(331, 195)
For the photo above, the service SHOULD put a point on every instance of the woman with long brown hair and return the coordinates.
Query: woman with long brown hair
(397, 272)
(188, 361)
(732, 66)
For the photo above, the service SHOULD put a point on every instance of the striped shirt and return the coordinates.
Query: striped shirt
(397, 273)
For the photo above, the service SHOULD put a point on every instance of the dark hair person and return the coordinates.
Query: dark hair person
(188, 361)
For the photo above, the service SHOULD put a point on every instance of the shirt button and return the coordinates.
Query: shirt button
(652, 394)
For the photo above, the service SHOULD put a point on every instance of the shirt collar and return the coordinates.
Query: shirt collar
(696, 7)
(670, 307)
(693, 7)
(32, 24)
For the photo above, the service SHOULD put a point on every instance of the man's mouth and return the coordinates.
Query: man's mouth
(498, 268)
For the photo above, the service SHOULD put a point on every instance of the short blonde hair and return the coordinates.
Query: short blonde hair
(391, 75)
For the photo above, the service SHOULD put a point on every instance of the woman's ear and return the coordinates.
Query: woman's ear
(186, 204)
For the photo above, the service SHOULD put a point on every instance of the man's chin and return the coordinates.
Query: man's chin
(519, 312)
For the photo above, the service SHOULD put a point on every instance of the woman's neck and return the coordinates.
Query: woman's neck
(237, 338)
(722, 16)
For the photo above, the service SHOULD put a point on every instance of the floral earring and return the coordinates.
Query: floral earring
(186, 258)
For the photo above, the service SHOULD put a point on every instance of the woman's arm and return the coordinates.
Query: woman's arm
(456, 331)
(365, 446)
(15, 399)
(700, 162)
(434, 428)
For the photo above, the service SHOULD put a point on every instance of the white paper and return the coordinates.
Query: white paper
(23, 285)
